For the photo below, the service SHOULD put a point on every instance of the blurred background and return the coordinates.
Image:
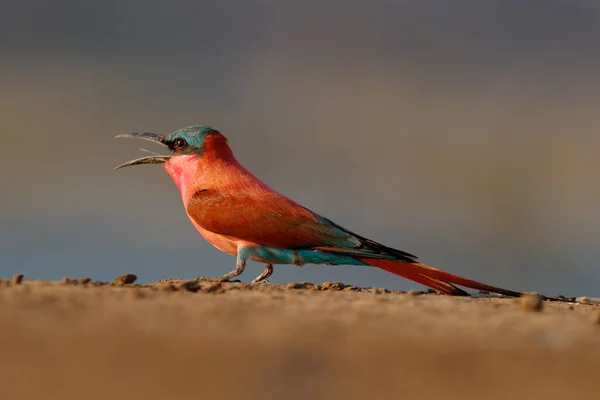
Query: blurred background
(464, 132)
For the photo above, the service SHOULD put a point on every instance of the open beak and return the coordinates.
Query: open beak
(152, 137)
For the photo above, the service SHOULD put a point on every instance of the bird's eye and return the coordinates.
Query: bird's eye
(180, 143)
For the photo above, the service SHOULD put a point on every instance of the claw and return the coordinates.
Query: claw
(265, 274)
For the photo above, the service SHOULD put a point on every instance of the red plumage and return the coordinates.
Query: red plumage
(231, 207)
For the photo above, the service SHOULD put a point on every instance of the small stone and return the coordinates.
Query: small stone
(85, 281)
(531, 302)
(332, 286)
(375, 290)
(4, 282)
(17, 279)
(413, 292)
(65, 281)
(588, 300)
(309, 285)
(296, 286)
(125, 279)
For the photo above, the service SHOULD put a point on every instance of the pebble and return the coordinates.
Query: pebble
(17, 279)
(125, 279)
(587, 300)
(332, 286)
(296, 286)
(378, 290)
(531, 302)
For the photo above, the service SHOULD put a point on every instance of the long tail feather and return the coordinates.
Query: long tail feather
(434, 278)
(440, 286)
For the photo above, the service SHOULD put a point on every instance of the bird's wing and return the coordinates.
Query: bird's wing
(271, 219)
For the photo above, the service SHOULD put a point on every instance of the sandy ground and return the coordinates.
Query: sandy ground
(206, 340)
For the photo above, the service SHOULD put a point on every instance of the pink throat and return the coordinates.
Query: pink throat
(186, 173)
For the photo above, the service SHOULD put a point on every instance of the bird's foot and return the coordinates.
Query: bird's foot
(228, 278)
(265, 274)
(239, 269)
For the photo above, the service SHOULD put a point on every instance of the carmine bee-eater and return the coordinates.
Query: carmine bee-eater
(240, 215)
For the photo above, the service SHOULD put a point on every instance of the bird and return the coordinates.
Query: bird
(240, 215)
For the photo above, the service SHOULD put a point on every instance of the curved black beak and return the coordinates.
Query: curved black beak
(152, 137)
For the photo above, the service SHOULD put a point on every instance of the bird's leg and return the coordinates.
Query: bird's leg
(266, 273)
(240, 266)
